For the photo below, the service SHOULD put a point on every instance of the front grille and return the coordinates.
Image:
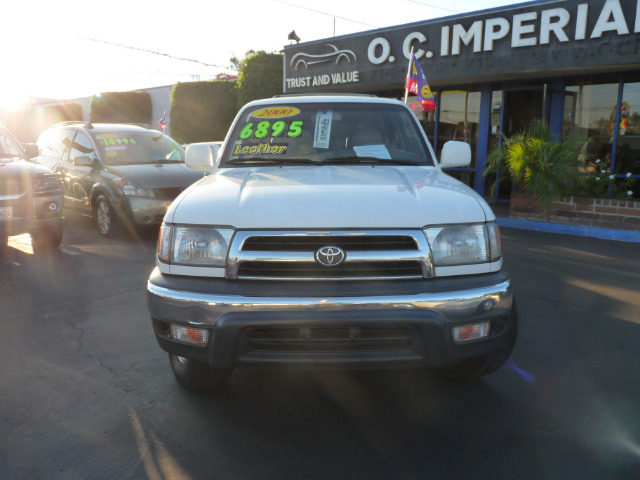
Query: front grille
(293, 255)
(315, 270)
(362, 243)
(167, 193)
(330, 339)
(45, 184)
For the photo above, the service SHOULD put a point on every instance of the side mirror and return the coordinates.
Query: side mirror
(202, 156)
(455, 154)
(30, 151)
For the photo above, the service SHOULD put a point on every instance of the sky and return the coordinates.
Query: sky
(70, 49)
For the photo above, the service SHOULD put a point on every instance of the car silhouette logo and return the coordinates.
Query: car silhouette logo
(307, 59)
(330, 256)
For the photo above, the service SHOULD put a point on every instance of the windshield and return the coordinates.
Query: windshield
(9, 146)
(138, 148)
(327, 133)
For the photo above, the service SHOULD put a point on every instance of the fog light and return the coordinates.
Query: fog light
(466, 333)
(197, 336)
(52, 207)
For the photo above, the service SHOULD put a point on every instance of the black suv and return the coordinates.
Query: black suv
(119, 174)
(30, 196)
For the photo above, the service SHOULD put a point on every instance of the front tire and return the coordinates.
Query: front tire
(4, 243)
(104, 215)
(484, 364)
(197, 376)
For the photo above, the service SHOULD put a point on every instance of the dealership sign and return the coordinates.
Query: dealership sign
(529, 41)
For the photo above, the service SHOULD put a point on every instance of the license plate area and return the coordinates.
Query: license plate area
(6, 213)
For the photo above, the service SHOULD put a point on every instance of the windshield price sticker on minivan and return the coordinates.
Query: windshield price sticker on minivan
(106, 140)
(272, 129)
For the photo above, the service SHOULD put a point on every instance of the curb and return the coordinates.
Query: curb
(580, 231)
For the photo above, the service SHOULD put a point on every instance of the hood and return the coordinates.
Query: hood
(329, 197)
(10, 167)
(158, 175)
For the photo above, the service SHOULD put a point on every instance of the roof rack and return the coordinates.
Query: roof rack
(74, 122)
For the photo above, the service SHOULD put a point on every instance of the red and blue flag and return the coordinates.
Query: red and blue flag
(162, 123)
(417, 84)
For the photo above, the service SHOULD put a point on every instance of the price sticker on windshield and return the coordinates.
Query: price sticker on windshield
(267, 128)
(273, 122)
(322, 132)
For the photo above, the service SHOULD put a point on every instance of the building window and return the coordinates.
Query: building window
(426, 119)
(627, 158)
(459, 120)
(587, 114)
(493, 189)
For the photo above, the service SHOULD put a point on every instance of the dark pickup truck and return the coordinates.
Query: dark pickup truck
(31, 199)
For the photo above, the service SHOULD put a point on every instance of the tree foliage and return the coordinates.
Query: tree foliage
(121, 107)
(260, 77)
(62, 113)
(202, 111)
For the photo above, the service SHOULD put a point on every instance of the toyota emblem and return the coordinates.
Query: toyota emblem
(330, 256)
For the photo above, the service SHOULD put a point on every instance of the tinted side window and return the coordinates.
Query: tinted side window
(8, 145)
(56, 144)
(81, 147)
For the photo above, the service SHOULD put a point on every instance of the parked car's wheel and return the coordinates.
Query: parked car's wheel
(197, 376)
(4, 242)
(104, 215)
(47, 236)
(484, 364)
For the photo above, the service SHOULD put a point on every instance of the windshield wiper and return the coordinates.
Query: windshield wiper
(356, 160)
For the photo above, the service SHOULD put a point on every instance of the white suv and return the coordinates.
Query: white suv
(327, 234)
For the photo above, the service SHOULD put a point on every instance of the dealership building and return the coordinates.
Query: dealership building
(572, 63)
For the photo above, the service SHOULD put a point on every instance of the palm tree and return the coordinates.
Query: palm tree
(543, 167)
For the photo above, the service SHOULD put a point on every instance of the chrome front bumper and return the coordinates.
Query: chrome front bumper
(203, 309)
(429, 316)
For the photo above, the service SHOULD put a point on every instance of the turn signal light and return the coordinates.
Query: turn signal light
(467, 333)
(195, 336)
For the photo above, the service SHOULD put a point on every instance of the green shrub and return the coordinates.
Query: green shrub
(62, 113)
(606, 184)
(260, 77)
(121, 107)
(202, 111)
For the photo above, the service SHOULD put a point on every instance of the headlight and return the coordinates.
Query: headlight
(464, 244)
(204, 246)
(132, 189)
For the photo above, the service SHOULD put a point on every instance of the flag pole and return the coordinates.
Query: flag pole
(406, 90)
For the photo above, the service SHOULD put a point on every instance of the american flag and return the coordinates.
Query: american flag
(162, 123)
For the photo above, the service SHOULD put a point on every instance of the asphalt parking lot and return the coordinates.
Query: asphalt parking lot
(86, 392)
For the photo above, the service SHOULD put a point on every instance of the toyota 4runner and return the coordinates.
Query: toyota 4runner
(326, 234)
